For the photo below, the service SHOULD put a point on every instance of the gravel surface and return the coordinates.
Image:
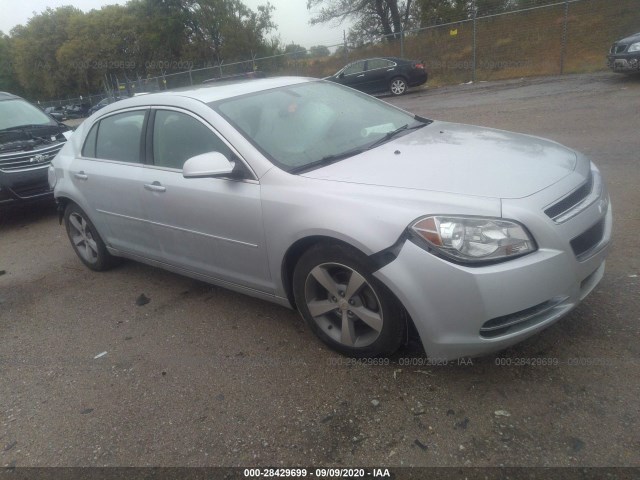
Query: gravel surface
(201, 376)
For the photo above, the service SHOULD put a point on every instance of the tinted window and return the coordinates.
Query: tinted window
(178, 137)
(89, 149)
(119, 137)
(379, 63)
(354, 68)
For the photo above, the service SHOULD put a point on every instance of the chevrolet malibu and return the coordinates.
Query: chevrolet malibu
(370, 221)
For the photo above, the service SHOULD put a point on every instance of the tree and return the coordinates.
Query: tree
(435, 12)
(295, 51)
(34, 51)
(372, 17)
(225, 28)
(64, 51)
(8, 81)
(319, 51)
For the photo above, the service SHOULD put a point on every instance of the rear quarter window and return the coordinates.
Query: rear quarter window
(89, 147)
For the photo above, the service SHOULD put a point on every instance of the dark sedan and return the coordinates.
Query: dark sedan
(56, 112)
(624, 55)
(383, 74)
(102, 103)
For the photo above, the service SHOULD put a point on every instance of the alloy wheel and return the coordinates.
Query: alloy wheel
(343, 304)
(82, 238)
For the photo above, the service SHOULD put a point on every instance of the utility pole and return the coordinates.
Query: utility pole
(346, 50)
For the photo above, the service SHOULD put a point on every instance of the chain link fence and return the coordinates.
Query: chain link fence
(539, 38)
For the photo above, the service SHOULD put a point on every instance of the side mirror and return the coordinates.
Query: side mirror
(341, 75)
(211, 164)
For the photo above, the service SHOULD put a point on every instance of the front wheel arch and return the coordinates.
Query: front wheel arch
(295, 251)
(378, 324)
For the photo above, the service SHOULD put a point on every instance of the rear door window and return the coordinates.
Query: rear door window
(119, 137)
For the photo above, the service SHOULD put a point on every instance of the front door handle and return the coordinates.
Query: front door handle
(81, 175)
(154, 187)
(359, 76)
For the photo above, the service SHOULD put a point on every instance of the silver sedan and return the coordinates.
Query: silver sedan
(374, 223)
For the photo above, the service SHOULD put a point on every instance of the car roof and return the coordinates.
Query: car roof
(7, 96)
(211, 92)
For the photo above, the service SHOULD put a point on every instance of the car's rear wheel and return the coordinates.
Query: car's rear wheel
(85, 239)
(398, 86)
(345, 305)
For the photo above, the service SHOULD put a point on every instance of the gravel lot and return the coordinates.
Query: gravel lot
(201, 376)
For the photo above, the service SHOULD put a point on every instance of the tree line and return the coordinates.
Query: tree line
(65, 51)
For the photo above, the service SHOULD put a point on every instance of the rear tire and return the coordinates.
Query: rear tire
(345, 305)
(398, 86)
(86, 241)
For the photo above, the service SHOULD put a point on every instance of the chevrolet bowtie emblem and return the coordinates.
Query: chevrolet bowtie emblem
(38, 159)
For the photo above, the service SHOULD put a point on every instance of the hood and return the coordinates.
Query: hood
(461, 159)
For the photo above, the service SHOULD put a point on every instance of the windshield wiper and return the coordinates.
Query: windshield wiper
(27, 127)
(328, 160)
(389, 135)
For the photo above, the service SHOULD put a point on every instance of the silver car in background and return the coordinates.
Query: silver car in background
(365, 218)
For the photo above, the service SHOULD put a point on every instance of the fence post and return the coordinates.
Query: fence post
(475, 39)
(402, 42)
(563, 46)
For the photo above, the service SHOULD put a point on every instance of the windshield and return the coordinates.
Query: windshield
(18, 112)
(313, 123)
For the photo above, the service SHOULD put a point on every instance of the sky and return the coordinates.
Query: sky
(291, 17)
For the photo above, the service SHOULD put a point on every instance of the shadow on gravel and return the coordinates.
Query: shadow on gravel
(624, 79)
(19, 216)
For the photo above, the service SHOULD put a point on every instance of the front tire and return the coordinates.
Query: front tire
(85, 240)
(345, 305)
(398, 86)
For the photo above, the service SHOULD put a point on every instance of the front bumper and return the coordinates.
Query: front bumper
(24, 186)
(462, 311)
(624, 63)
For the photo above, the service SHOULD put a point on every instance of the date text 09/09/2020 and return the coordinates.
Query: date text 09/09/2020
(317, 472)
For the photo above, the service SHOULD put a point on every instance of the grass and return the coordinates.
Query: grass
(508, 46)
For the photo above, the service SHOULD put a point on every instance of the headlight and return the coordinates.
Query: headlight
(635, 47)
(51, 175)
(473, 240)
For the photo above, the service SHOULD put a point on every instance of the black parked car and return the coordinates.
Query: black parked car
(102, 103)
(29, 139)
(79, 110)
(57, 113)
(383, 74)
(624, 55)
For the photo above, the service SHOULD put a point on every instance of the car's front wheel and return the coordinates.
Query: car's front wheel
(85, 239)
(345, 305)
(398, 86)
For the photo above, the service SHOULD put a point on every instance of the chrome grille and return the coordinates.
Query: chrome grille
(29, 160)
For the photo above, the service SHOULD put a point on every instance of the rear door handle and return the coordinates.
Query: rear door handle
(81, 175)
(154, 187)
(361, 75)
